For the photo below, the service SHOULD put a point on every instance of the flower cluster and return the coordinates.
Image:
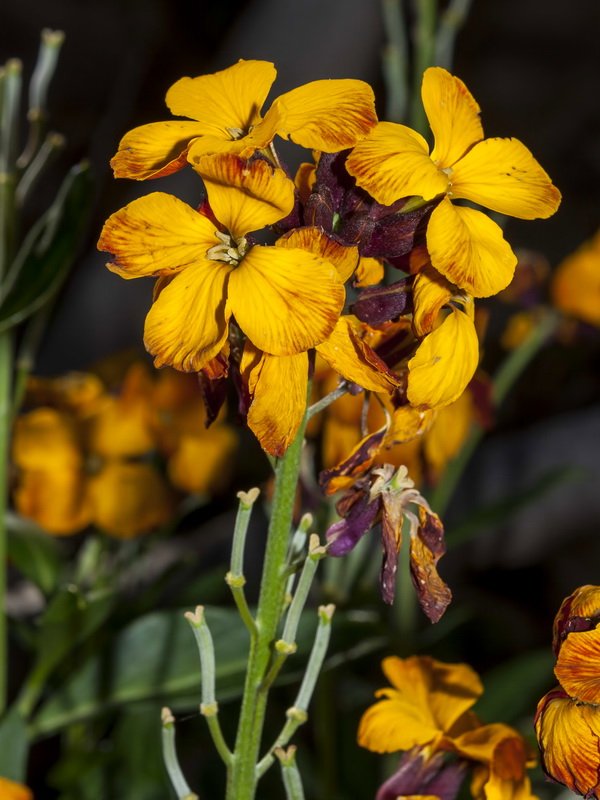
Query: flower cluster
(86, 456)
(568, 717)
(426, 714)
(225, 304)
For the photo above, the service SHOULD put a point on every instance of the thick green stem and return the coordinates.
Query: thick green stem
(242, 777)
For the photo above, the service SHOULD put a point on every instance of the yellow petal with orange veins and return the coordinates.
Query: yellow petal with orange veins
(501, 174)
(444, 363)
(231, 98)
(156, 235)
(130, 499)
(577, 665)
(368, 273)
(408, 423)
(284, 300)
(468, 248)
(188, 324)
(260, 137)
(279, 401)
(430, 292)
(329, 115)
(568, 734)
(394, 162)
(348, 354)
(202, 464)
(245, 196)
(46, 439)
(453, 115)
(306, 176)
(156, 149)
(9, 790)
(54, 498)
(314, 240)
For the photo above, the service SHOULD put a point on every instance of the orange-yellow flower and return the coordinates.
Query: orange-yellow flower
(11, 790)
(464, 245)
(286, 300)
(576, 283)
(224, 111)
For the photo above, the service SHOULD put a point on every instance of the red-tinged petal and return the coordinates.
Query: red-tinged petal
(188, 324)
(329, 115)
(444, 363)
(502, 174)
(468, 248)
(316, 241)
(427, 546)
(348, 354)
(156, 149)
(356, 464)
(231, 98)
(156, 235)
(453, 115)
(577, 665)
(275, 413)
(394, 162)
(568, 734)
(285, 301)
(245, 196)
(431, 291)
(580, 611)
(392, 520)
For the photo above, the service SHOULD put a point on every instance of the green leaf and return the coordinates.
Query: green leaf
(156, 656)
(14, 746)
(514, 688)
(34, 552)
(46, 255)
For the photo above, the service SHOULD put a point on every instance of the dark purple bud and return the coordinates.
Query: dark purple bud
(356, 229)
(332, 174)
(394, 235)
(419, 776)
(319, 209)
(381, 303)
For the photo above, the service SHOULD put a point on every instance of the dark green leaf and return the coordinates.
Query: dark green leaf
(14, 746)
(46, 255)
(34, 552)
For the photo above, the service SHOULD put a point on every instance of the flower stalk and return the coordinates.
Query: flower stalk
(235, 578)
(290, 773)
(178, 781)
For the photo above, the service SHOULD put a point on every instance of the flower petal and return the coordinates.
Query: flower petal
(46, 439)
(202, 463)
(568, 734)
(316, 241)
(449, 432)
(280, 385)
(156, 149)
(55, 499)
(156, 235)
(501, 174)
(9, 790)
(444, 363)
(130, 499)
(394, 162)
(577, 665)
(576, 287)
(231, 98)
(349, 355)
(245, 196)
(427, 546)
(453, 115)
(408, 423)
(188, 322)
(369, 272)
(468, 248)
(430, 292)
(285, 300)
(329, 115)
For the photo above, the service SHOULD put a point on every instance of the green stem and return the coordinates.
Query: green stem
(178, 781)
(424, 40)
(290, 774)
(452, 20)
(395, 60)
(242, 777)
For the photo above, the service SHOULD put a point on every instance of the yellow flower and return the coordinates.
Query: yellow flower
(576, 283)
(328, 115)
(426, 702)
(568, 733)
(10, 790)
(577, 645)
(464, 245)
(286, 300)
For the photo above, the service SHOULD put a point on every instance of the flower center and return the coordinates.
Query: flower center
(231, 250)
